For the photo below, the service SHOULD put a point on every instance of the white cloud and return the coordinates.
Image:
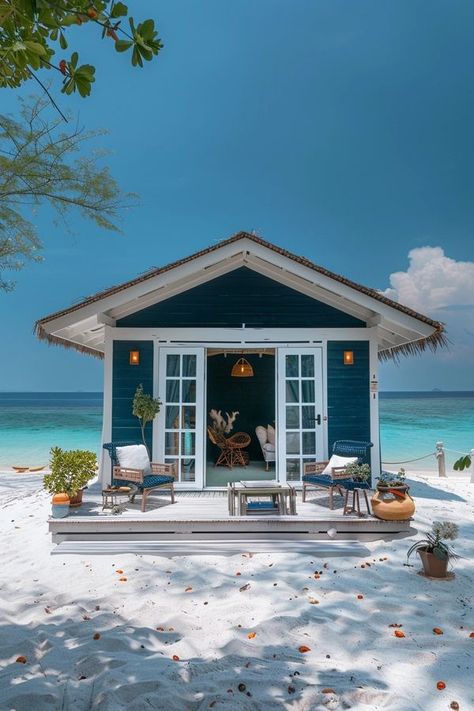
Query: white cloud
(434, 283)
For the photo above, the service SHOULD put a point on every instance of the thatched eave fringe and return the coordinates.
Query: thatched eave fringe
(57, 341)
(437, 340)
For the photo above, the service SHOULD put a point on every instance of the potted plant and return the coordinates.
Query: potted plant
(390, 480)
(358, 472)
(435, 554)
(391, 501)
(145, 407)
(70, 471)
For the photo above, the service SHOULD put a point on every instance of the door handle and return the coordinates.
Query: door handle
(318, 419)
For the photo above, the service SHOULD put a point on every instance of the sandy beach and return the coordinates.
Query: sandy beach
(302, 632)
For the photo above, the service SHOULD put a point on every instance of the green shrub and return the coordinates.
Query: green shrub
(71, 470)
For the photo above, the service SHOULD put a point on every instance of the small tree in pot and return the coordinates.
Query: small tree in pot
(71, 470)
(435, 554)
(390, 480)
(146, 408)
(358, 472)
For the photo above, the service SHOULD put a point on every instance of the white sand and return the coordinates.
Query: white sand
(51, 606)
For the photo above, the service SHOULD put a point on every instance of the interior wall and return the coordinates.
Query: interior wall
(253, 398)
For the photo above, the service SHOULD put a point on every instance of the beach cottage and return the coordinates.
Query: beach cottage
(249, 337)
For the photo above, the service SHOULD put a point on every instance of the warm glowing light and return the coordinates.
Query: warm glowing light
(242, 369)
(348, 357)
(134, 358)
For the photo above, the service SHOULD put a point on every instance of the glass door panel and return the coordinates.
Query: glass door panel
(181, 426)
(300, 405)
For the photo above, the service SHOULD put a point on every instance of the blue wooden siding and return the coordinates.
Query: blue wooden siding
(242, 296)
(348, 392)
(126, 377)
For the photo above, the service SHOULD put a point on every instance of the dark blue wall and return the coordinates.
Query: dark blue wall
(242, 296)
(126, 377)
(348, 392)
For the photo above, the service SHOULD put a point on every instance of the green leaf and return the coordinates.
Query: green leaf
(74, 59)
(62, 41)
(123, 45)
(36, 48)
(119, 10)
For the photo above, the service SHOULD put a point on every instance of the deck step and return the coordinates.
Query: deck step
(208, 547)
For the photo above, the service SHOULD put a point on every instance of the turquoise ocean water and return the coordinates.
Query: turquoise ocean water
(411, 424)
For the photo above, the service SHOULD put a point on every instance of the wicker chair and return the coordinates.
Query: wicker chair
(231, 453)
(337, 479)
(162, 475)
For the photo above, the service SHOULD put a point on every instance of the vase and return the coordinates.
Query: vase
(76, 500)
(393, 504)
(60, 505)
(433, 567)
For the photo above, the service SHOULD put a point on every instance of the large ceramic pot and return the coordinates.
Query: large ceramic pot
(76, 500)
(393, 504)
(433, 566)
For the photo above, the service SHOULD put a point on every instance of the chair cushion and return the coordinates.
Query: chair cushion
(269, 447)
(134, 456)
(261, 433)
(149, 482)
(271, 434)
(324, 480)
(351, 485)
(338, 461)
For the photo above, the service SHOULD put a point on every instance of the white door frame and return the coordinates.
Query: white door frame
(320, 429)
(159, 428)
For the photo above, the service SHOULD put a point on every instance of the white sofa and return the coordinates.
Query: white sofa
(266, 437)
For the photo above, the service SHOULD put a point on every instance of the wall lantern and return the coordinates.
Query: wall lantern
(134, 358)
(242, 369)
(348, 358)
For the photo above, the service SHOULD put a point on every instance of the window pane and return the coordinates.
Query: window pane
(307, 390)
(292, 417)
(308, 416)
(292, 442)
(172, 391)
(172, 365)
(309, 442)
(292, 391)
(172, 417)
(189, 366)
(188, 444)
(189, 391)
(291, 366)
(188, 469)
(188, 417)
(307, 366)
(293, 470)
(171, 443)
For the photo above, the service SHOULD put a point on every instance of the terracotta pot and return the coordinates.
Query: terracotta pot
(76, 500)
(390, 507)
(433, 566)
(60, 505)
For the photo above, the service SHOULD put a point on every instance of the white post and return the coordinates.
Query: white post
(472, 465)
(441, 459)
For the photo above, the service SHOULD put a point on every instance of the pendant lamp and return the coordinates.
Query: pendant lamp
(242, 369)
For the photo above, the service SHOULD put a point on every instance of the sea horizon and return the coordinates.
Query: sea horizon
(411, 422)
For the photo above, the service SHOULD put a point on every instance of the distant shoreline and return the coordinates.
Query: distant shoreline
(99, 394)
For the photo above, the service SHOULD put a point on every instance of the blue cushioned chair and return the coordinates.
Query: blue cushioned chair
(338, 479)
(162, 475)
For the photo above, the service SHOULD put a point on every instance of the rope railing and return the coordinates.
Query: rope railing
(440, 454)
(407, 461)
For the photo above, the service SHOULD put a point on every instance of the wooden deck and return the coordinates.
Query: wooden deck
(203, 516)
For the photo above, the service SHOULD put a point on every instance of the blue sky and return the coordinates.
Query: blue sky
(341, 131)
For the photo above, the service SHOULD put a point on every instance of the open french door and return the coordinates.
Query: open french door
(180, 423)
(300, 411)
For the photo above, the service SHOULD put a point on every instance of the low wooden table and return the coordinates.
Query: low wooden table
(281, 498)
